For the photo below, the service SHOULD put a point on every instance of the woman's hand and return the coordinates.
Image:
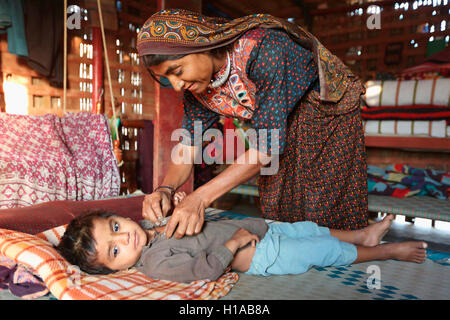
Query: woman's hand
(240, 239)
(156, 205)
(187, 217)
(178, 197)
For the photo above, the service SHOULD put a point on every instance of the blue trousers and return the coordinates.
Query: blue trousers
(293, 248)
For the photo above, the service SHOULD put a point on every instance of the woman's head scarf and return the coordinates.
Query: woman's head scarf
(177, 31)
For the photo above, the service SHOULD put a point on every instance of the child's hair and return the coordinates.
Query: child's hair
(77, 245)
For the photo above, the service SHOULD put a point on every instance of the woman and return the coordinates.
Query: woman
(278, 77)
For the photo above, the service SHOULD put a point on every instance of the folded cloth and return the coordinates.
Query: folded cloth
(422, 112)
(20, 281)
(427, 70)
(408, 92)
(400, 180)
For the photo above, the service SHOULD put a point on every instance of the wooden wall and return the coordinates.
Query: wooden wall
(133, 88)
(403, 29)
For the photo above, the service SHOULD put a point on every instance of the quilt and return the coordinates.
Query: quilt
(46, 158)
(400, 180)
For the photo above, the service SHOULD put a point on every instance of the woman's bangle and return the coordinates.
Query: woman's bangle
(172, 190)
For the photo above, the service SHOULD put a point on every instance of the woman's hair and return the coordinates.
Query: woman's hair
(151, 60)
(77, 245)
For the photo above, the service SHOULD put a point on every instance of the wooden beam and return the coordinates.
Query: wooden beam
(323, 12)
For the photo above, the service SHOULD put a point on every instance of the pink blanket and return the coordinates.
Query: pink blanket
(46, 158)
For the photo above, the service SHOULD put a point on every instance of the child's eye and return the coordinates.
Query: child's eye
(115, 251)
(115, 227)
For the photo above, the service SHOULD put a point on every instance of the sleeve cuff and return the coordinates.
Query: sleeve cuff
(224, 255)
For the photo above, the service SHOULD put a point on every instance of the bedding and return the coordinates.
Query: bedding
(423, 112)
(401, 181)
(400, 280)
(435, 66)
(393, 93)
(19, 280)
(431, 128)
(65, 281)
(47, 158)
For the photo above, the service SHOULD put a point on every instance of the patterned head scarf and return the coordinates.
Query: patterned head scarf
(177, 31)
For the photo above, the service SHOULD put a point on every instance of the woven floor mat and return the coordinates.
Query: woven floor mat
(398, 280)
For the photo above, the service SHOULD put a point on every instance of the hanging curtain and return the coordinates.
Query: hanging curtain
(12, 22)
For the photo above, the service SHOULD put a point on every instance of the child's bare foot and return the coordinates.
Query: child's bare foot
(372, 235)
(178, 197)
(411, 251)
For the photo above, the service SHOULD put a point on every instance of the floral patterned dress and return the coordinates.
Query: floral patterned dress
(274, 85)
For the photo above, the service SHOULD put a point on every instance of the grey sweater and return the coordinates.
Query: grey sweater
(198, 257)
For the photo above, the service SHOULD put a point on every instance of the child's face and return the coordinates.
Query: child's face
(119, 242)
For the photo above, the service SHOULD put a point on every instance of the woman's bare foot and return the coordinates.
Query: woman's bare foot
(411, 251)
(372, 235)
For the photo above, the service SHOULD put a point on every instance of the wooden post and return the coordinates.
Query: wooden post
(168, 111)
(97, 64)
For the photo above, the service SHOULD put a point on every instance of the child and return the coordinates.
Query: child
(101, 243)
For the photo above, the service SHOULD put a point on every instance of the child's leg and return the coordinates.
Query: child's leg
(277, 254)
(412, 251)
(369, 236)
(296, 256)
(300, 229)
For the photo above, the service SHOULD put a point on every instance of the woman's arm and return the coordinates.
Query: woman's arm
(188, 216)
(158, 204)
(244, 168)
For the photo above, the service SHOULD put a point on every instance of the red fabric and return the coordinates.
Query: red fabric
(38, 218)
(48, 158)
(416, 112)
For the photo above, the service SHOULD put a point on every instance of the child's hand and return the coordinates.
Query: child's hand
(240, 239)
(178, 197)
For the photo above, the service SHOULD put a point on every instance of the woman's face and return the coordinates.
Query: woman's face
(193, 72)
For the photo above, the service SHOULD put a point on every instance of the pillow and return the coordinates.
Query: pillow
(66, 281)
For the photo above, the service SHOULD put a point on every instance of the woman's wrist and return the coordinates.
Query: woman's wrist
(206, 195)
(166, 188)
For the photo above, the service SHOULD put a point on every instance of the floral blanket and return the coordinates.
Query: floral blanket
(46, 158)
(400, 181)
